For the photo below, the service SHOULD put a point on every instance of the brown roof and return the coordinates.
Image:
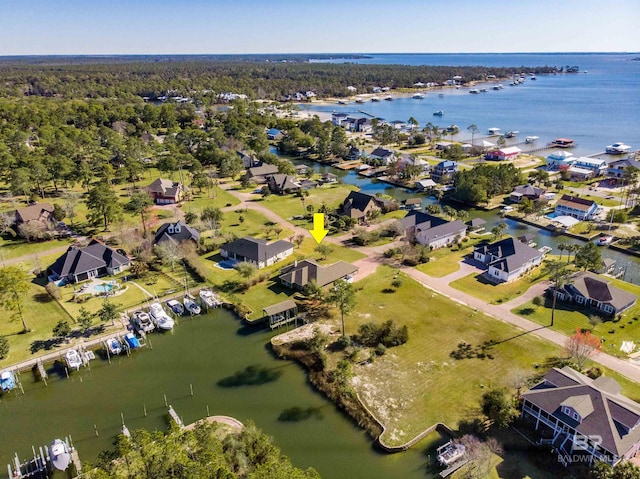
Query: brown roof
(575, 202)
(165, 187)
(32, 212)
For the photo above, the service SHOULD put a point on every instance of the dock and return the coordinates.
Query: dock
(40, 467)
(174, 415)
(348, 165)
(453, 468)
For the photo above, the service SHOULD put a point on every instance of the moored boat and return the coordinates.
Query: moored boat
(388, 98)
(474, 91)
(131, 340)
(604, 240)
(175, 306)
(159, 317)
(530, 139)
(375, 98)
(418, 96)
(618, 148)
(450, 453)
(209, 298)
(59, 454)
(115, 346)
(142, 322)
(73, 358)
(7, 381)
(190, 304)
(438, 113)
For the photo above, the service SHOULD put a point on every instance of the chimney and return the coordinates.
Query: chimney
(295, 264)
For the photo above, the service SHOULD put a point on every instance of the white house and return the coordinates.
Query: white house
(432, 231)
(576, 207)
(558, 159)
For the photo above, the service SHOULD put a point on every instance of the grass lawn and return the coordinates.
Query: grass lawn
(19, 247)
(419, 383)
(476, 285)
(219, 198)
(444, 261)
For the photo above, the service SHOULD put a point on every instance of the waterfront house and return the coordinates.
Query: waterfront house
(92, 261)
(507, 259)
(501, 154)
(338, 118)
(362, 205)
(301, 273)
(382, 156)
(328, 178)
(590, 290)
(444, 171)
(607, 266)
(575, 207)
(39, 215)
(530, 192)
(164, 192)
(616, 170)
(363, 125)
(585, 168)
(283, 184)
(559, 159)
(176, 233)
(413, 203)
(421, 166)
(248, 161)
(259, 174)
(583, 419)
(257, 251)
(302, 169)
(432, 231)
(476, 225)
(274, 134)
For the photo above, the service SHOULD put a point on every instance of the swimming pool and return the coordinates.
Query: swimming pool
(102, 288)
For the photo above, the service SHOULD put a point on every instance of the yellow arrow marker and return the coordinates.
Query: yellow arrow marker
(318, 232)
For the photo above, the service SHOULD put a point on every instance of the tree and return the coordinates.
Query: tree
(342, 295)
(85, 318)
(108, 311)
(103, 205)
(14, 286)
(298, 239)
(4, 347)
(562, 247)
(499, 407)
(324, 250)
(246, 269)
(473, 128)
(581, 346)
(588, 256)
(559, 273)
(170, 252)
(61, 329)
(497, 232)
(140, 204)
(622, 470)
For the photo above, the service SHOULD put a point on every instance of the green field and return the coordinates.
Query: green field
(476, 285)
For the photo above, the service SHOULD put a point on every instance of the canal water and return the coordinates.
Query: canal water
(198, 352)
(630, 264)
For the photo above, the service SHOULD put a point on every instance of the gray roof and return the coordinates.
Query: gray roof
(476, 222)
(302, 272)
(286, 305)
(263, 170)
(591, 286)
(257, 249)
(165, 187)
(92, 257)
(433, 226)
(281, 182)
(176, 233)
(604, 411)
(528, 190)
(382, 153)
(511, 254)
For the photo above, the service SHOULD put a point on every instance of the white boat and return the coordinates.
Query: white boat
(142, 322)
(375, 98)
(190, 304)
(438, 113)
(115, 346)
(418, 96)
(494, 131)
(617, 149)
(511, 134)
(388, 98)
(474, 91)
(360, 100)
(506, 209)
(530, 139)
(604, 240)
(59, 454)
(343, 102)
(73, 359)
(175, 306)
(209, 298)
(7, 381)
(159, 317)
(450, 453)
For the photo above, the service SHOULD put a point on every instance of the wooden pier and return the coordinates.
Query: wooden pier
(174, 415)
(453, 468)
(40, 467)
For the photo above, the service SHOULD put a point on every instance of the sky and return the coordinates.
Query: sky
(45, 27)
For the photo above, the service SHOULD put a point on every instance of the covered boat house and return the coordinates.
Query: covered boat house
(281, 313)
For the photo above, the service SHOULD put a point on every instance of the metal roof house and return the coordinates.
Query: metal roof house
(583, 419)
(257, 251)
(92, 261)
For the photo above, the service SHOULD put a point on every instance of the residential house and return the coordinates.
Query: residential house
(583, 419)
(175, 233)
(413, 203)
(301, 273)
(444, 171)
(575, 207)
(607, 266)
(274, 134)
(41, 213)
(507, 259)
(354, 153)
(432, 231)
(421, 166)
(281, 184)
(616, 169)
(425, 185)
(363, 125)
(94, 260)
(590, 290)
(361, 206)
(302, 169)
(328, 178)
(476, 225)
(596, 166)
(507, 153)
(338, 118)
(166, 192)
(248, 161)
(559, 160)
(382, 156)
(259, 174)
(257, 251)
(529, 192)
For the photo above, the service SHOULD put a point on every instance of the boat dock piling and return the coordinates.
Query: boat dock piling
(42, 372)
(39, 466)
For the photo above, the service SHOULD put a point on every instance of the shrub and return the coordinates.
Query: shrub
(594, 372)
(381, 349)
(54, 291)
(4, 347)
(396, 283)
(387, 334)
